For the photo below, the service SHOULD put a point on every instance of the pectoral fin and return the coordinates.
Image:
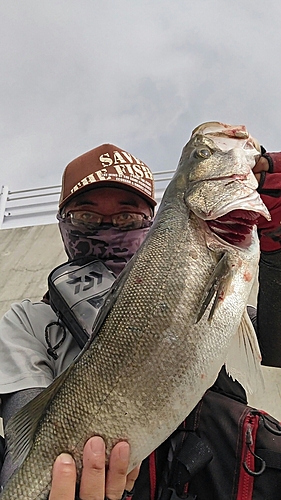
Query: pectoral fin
(20, 430)
(243, 361)
(217, 285)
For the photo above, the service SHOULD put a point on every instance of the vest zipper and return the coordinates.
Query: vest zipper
(246, 480)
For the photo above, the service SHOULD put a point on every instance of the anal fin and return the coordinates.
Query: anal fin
(243, 361)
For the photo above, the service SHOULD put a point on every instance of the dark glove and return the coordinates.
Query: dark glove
(268, 172)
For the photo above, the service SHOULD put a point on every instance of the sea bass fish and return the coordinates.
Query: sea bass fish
(173, 318)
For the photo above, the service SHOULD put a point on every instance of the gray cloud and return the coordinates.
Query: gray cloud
(139, 74)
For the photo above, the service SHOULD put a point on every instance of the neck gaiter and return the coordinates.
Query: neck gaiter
(109, 244)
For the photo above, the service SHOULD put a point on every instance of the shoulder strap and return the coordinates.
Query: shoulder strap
(187, 455)
(2, 451)
(192, 457)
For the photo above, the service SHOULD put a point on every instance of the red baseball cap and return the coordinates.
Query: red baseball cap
(109, 166)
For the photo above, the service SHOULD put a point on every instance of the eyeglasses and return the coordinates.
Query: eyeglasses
(125, 221)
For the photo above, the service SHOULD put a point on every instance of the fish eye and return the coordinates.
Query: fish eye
(202, 153)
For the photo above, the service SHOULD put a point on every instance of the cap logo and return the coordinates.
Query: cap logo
(123, 167)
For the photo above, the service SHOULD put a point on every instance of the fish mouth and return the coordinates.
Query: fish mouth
(235, 227)
(234, 223)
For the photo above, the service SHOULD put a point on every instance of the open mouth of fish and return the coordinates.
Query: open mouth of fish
(234, 222)
(235, 227)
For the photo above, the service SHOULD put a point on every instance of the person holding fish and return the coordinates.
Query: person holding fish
(106, 210)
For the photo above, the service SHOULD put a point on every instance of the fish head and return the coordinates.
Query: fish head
(221, 152)
(220, 187)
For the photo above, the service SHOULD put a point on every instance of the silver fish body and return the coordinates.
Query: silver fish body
(153, 359)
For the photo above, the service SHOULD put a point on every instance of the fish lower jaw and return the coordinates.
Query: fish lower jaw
(250, 204)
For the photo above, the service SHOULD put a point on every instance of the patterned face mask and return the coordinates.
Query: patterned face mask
(107, 243)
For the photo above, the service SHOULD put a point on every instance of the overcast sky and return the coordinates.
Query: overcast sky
(138, 73)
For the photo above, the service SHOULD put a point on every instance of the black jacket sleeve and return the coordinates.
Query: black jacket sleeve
(269, 308)
(269, 296)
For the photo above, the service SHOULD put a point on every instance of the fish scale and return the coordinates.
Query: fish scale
(152, 360)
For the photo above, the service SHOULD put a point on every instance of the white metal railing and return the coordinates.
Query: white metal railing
(31, 207)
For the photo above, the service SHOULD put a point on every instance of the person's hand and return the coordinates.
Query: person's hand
(262, 165)
(97, 483)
